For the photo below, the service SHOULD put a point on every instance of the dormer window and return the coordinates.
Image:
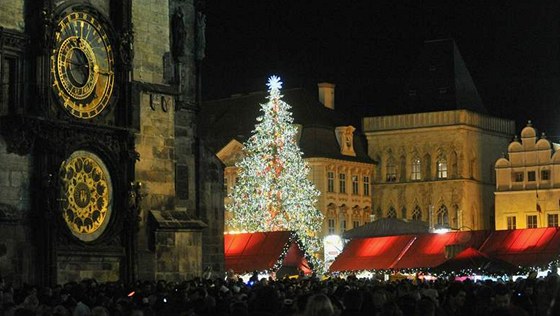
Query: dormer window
(345, 138)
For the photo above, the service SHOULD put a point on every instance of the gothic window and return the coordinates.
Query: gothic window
(442, 169)
(442, 216)
(403, 169)
(453, 162)
(417, 213)
(416, 169)
(391, 170)
(428, 164)
(378, 213)
(392, 213)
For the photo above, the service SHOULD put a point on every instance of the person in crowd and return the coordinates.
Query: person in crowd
(319, 305)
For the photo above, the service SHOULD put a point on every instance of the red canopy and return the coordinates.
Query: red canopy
(372, 253)
(524, 247)
(260, 251)
(429, 250)
(472, 259)
(403, 251)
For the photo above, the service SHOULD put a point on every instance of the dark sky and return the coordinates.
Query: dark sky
(369, 47)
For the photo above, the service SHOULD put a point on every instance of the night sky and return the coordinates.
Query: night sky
(368, 49)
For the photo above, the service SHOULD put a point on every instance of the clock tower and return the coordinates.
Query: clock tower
(100, 173)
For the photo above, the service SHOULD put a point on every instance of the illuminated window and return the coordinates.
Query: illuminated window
(366, 185)
(331, 226)
(355, 224)
(392, 213)
(531, 221)
(342, 183)
(391, 170)
(531, 176)
(416, 167)
(442, 169)
(545, 174)
(355, 185)
(511, 222)
(330, 181)
(443, 216)
(518, 177)
(417, 213)
(552, 220)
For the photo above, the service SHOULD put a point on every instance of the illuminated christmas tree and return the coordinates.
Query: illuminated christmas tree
(273, 191)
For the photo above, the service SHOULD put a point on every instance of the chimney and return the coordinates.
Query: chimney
(326, 94)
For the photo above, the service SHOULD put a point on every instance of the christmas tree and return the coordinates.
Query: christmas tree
(273, 191)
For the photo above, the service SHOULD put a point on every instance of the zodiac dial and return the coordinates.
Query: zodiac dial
(85, 194)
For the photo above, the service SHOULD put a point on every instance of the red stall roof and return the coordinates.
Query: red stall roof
(428, 250)
(260, 251)
(374, 253)
(524, 247)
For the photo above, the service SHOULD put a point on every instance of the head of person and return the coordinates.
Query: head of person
(319, 305)
(502, 296)
(456, 295)
(353, 300)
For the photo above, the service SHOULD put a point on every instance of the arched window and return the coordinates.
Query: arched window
(428, 170)
(416, 169)
(403, 212)
(403, 169)
(378, 213)
(453, 162)
(417, 213)
(442, 216)
(391, 170)
(442, 168)
(392, 213)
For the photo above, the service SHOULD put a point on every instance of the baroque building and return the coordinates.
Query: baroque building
(101, 173)
(435, 158)
(333, 148)
(527, 190)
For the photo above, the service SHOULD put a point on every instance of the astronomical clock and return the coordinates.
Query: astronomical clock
(76, 124)
(82, 65)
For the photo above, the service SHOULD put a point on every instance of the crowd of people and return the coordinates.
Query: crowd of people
(305, 296)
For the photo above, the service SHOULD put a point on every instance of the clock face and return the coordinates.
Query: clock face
(82, 65)
(86, 195)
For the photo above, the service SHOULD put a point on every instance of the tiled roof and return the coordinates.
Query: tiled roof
(235, 118)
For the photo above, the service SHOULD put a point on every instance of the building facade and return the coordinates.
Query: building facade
(436, 154)
(527, 190)
(436, 167)
(100, 171)
(333, 149)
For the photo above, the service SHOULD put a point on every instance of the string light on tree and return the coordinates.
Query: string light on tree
(273, 192)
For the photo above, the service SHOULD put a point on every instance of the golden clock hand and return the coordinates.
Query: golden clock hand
(85, 65)
(96, 69)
